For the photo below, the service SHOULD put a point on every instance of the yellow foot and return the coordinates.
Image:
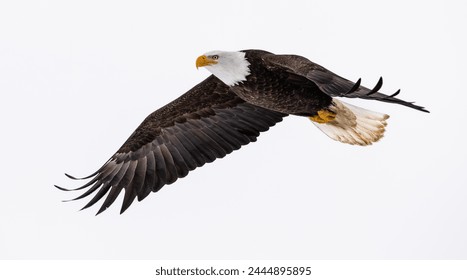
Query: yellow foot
(323, 116)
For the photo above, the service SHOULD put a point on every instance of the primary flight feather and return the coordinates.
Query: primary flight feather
(248, 92)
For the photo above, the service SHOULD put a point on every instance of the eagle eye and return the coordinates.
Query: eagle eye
(215, 57)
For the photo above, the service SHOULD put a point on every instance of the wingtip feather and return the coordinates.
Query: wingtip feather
(82, 178)
(62, 188)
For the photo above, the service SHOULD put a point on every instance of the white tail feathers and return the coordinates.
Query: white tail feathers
(354, 125)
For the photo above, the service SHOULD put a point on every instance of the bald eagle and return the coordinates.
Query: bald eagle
(249, 92)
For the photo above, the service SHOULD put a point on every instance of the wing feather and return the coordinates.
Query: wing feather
(101, 193)
(116, 187)
(184, 153)
(161, 169)
(172, 175)
(150, 177)
(179, 162)
(140, 177)
(196, 153)
(132, 187)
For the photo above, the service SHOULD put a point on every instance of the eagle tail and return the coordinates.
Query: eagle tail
(351, 124)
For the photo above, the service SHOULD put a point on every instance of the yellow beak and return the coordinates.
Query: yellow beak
(202, 61)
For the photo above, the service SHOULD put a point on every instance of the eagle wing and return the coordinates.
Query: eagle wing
(207, 122)
(330, 83)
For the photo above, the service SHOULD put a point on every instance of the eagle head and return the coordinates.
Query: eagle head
(231, 68)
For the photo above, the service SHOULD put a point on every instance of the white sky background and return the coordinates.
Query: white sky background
(77, 77)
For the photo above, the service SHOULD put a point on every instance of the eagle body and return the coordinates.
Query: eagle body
(279, 90)
(249, 92)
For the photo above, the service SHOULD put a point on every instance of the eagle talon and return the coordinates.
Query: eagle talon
(323, 116)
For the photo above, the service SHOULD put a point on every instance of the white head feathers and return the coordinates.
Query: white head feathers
(230, 67)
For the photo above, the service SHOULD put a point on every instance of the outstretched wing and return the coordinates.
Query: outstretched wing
(207, 122)
(330, 83)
